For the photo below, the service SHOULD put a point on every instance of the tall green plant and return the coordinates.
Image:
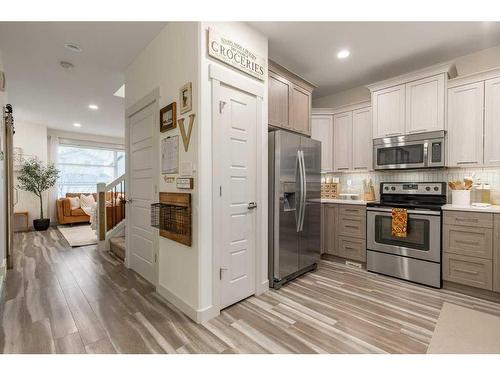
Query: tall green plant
(37, 178)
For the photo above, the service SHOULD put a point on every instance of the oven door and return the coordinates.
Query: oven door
(422, 242)
(402, 155)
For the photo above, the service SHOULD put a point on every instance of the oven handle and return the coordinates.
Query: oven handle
(414, 212)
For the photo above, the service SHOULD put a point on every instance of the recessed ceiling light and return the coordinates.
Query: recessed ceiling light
(66, 65)
(343, 53)
(93, 107)
(77, 125)
(73, 47)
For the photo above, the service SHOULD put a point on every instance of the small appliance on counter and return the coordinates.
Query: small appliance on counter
(416, 255)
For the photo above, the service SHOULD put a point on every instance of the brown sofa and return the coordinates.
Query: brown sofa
(115, 210)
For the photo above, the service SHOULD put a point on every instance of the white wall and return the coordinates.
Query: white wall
(354, 95)
(257, 43)
(32, 138)
(168, 62)
(3, 207)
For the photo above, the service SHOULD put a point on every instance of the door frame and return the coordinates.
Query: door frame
(152, 98)
(219, 76)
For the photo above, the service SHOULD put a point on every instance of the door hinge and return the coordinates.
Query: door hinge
(220, 272)
(156, 258)
(221, 106)
(220, 191)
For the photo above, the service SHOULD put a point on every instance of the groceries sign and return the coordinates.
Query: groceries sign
(236, 55)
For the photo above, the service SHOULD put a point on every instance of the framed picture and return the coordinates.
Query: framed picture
(186, 97)
(168, 117)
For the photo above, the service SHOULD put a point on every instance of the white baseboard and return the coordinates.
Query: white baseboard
(262, 288)
(198, 316)
(3, 272)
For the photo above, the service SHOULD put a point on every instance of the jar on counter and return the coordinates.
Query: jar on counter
(486, 194)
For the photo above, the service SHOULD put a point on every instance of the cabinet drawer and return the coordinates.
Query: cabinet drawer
(470, 219)
(353, 226)
(471, 271)
(352, 210)
(496, 255)
(469, 241)
(351, 248)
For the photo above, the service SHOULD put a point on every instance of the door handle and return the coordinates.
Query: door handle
(128, 200)
(252, 205)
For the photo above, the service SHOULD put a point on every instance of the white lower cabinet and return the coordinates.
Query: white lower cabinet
(465, 125)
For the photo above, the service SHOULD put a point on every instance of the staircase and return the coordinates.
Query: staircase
(110, 217)
(117, 246)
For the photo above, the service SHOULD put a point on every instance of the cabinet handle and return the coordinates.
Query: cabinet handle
(357, 168)
(467, 271)
(350, 248)
(352, 226)
(342, 169)
(351, 210)
(466, 162)
(465, 242)
(467, 220)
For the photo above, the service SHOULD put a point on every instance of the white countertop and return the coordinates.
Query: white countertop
(491, 209)
(344, 201)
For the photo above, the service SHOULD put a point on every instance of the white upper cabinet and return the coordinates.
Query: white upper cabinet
(342, 141)
(322, 130)
(465, 125)
(389, 112)
(425, 105)
(362, 139)
(492, 122)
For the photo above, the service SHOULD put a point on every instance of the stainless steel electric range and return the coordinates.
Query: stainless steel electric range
(417, 257)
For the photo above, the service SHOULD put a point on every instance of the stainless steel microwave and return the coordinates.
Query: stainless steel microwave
(426, 150)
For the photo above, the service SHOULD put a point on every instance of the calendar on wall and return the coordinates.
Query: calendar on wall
(170, 155)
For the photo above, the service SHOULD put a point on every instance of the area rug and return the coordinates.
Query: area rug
(460, 330)
(78, 235)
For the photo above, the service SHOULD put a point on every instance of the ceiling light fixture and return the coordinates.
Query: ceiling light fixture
(66, 65)
(77, 125)
(93, 107)
(73, 47)
(343, 53)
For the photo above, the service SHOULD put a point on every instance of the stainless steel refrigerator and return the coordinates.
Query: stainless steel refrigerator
(294, 206)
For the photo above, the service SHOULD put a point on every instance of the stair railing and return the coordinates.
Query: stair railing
(110, 212)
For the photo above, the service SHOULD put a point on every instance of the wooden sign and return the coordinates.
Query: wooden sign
(186, 137)
(234, 54)
(184, 182)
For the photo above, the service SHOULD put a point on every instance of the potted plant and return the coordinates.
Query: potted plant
(37, 178)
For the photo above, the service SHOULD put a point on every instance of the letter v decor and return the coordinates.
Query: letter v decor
(186, 137)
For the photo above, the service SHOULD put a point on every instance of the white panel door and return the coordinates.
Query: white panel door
(342, 141)
(425, 105)
(141, 241)
(362, 144)
(389, 112)
(492, 122)
(465, 125)
(322, 130)
(235, 160)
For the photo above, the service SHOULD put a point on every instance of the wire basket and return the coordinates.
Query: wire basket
(171, 218)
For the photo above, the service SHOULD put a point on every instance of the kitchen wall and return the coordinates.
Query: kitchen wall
(485, 175)
(473, 63)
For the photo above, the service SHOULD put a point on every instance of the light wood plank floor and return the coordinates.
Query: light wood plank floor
(59, 299)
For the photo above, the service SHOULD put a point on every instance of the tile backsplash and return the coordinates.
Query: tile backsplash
(486, 175)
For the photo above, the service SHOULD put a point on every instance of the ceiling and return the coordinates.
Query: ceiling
(379, 50)
(42, 92)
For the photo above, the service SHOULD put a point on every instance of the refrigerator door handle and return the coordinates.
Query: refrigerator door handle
(304, 190)
(298, 195)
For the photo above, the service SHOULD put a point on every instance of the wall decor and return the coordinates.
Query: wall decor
(169, 179)
(168, 117)
(170, 155)
(186, 168)
(184, 183)
(173, 217)
(234, 54)
(186, 97)
(186, 137)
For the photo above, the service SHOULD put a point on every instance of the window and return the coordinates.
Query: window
(83, 167)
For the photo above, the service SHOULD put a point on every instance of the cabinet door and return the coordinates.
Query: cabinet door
(342, 141)
(300, 110)
(496, 254)
(492, 122)
(329, 222)
(465, 125)
(322, 130)
(425, 105)
(278, 101)
(389, 112)
(362, 145)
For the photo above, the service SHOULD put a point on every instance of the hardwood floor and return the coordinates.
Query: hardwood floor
(59, 299)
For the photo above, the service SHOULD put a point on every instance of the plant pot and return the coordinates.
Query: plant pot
(41, 224)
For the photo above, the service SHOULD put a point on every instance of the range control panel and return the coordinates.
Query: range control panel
(421, 188)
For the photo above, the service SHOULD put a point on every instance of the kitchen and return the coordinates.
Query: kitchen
(420, 147)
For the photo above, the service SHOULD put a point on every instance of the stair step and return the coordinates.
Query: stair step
(117, 246)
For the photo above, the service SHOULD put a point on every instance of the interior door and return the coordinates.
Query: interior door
(142, 170)
(235, 126)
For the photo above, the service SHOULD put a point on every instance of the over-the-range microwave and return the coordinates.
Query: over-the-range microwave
(425, 150)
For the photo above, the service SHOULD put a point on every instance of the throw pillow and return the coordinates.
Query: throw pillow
(87, 200)
(74, 203)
